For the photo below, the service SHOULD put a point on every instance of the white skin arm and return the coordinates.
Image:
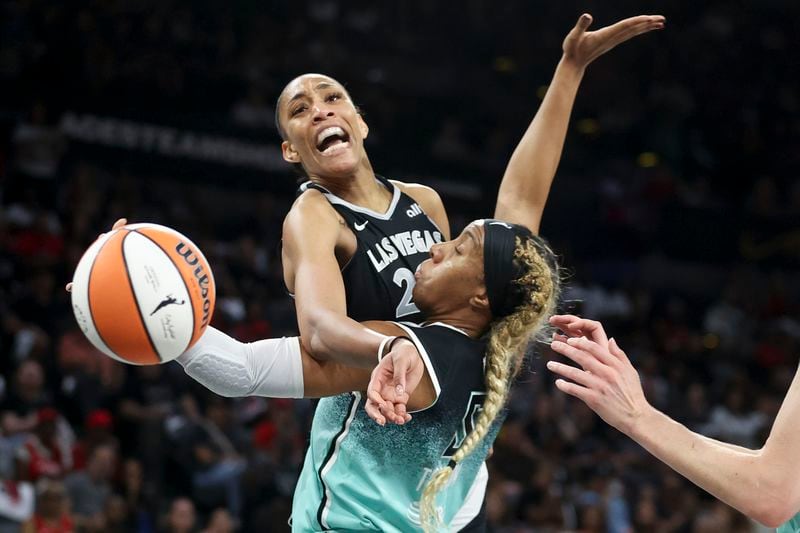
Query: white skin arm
(763, 484)
(530, 172)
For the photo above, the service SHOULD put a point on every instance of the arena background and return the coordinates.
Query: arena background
(676, 209)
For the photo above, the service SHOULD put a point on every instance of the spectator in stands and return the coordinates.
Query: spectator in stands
(47, 452)
(52, 510)
(90, 489)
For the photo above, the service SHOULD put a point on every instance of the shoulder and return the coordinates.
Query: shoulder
(425, 196)
(310, 209)
(430, 202)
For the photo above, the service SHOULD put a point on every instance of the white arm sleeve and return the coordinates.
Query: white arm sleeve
(272, 367)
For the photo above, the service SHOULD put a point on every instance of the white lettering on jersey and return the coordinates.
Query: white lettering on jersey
(414, 210)
(405, 243)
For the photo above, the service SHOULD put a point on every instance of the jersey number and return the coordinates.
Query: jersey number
(403, 276)
(474, 408)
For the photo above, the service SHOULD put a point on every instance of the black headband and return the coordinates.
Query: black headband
(500, 269)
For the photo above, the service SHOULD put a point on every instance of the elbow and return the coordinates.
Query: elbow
(775, 507)
(777, 502)
(317, 348)
(312, 337)
(773, 514)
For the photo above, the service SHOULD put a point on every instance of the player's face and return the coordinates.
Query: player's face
(323, 129)
(453, 276)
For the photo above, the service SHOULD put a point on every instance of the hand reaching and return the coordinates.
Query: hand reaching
(582, 47)
(574, 326)
(393, 382)
(118, 224)
(606, 381)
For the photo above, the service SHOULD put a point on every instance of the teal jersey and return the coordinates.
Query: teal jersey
(359, 476)
(792, 526)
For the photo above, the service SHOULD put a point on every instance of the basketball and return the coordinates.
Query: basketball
(143, 294)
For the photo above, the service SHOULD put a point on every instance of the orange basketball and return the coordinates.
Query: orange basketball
(143, 294)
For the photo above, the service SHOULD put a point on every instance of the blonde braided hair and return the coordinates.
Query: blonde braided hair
(508, 338)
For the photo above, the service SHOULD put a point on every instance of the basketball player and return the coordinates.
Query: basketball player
(494, 277)
(352, 241)
(760, 483)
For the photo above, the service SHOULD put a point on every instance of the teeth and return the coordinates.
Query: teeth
(338, 147)
(327, 132)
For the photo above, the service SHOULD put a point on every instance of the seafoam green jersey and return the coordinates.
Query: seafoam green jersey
(792, 526)
(359, 476)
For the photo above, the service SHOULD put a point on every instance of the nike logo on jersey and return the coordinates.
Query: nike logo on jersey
(390, 249)
(414, 210)
(360, 227)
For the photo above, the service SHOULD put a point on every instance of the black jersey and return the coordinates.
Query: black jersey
(379, 278)
(359, 476)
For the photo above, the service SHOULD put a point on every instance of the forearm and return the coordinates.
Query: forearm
(274, 368)
(731, 473)
(328, 335)
(530, 171)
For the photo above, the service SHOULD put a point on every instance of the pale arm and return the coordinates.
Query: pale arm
(763, 483)
(532, 167)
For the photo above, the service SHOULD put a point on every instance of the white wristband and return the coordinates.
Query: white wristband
(384, 342)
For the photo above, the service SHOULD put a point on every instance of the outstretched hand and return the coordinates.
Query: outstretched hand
(393, 382)
(606, 380)
(118, 224)
(581, 47)
(575, 326)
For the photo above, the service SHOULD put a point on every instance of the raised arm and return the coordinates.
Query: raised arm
(529, 174)
(760, 483)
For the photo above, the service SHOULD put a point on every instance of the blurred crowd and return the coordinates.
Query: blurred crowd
(675, 211)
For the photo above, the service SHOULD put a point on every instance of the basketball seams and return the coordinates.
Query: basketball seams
(183, 280)
(133, 292)
(103, 301)
(89, 298)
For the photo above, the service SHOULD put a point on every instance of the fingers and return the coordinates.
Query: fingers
(582, 393)
(371, 407)
(380, 409)
(587, 354)
(400, 411)
(597, 350)
(580, 327)
(385, 405)
(633, 31)
(574, 374)
(584, 21)
(119, 223)
(616, 351)
(560, 338)
(399, 375)
(628, 23)
(69, 287)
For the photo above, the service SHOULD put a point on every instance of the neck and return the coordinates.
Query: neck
(359, 188)
(471, 323)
